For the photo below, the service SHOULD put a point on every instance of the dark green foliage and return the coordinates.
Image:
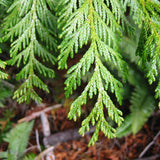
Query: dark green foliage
(141, 99)
(149, 49)
(6, 123)
(5, 92)
(142, 106)
(3, 75)
(148, 11)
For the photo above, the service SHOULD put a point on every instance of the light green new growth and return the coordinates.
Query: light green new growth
(30, 26)
(93, 23)
(5, 2)
(2, 74)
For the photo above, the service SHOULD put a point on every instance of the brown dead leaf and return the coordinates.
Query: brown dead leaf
(61, 156)
(113, 157)
(75, 154)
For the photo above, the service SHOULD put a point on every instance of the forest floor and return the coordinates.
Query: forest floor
(145, 145)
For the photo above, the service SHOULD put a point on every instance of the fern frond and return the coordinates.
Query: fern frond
(125, 128)
(92, 22)
(18, 140)
(32, 33)
(142, 106)
(30, 157)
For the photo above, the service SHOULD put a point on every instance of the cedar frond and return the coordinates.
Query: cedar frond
(32, 33)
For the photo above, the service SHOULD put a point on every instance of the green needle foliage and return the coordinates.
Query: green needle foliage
(30, 26)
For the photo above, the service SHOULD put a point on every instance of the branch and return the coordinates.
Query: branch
(58, 138)
(45, 125)
(46, 132)
(7, 84)
(37, 114)
(44, 153)
(148, 158)
(37, 140)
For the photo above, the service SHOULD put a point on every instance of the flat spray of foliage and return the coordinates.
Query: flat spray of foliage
(93, 23)
(97, 25)
(30, 26)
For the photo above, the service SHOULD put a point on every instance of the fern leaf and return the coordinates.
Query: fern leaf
(126, 127)
(141, 108)
(18, 139)
(3, 155)
(30, 157)
(158, 92)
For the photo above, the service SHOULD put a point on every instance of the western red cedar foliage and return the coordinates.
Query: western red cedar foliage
(32, 27)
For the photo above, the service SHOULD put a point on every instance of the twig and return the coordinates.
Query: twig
(30, 148)
(37, 114)
(42, 154)
(45, 125)
(7, 84)
(46, 132)
(37, 140)
(64, 136)
(149, 145)
(148, 158)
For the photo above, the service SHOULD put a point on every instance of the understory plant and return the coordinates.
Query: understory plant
(18, 141)
(43, 33)
(142, 102)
